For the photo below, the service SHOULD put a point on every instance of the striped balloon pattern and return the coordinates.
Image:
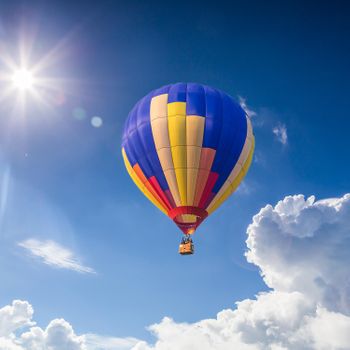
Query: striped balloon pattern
(187, 147)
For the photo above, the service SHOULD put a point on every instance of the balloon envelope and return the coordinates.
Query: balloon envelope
(187, 147)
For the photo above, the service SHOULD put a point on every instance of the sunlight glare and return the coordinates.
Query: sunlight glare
(23, 79)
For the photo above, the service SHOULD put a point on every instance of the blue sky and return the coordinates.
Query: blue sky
(64, 180)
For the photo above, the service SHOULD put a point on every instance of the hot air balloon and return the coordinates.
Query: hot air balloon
(187, 147)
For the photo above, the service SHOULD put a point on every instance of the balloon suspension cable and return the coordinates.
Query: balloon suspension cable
(186, 238)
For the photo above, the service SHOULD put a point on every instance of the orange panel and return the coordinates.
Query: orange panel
(201, 182)
(147, 184)
(207, 158)
(139, 173)
(192, 175)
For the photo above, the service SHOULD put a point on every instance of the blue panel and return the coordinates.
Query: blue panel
(226, 137)
(127, 125)
(213, 119)
(129, 153)
(143, 111)
(127, 142)
(135, 145)
(163, 90)
(177, 93)
(154, 160)
(146, 137)
(139, 154)
(125, 132)
(145, 166)
(132, 118)
(232, 143)
(195, 100)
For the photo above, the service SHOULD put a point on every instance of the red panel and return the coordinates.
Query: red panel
(188, 228)
(154, 182)
(170, 198)
(149, 186)
(188, 210)
(209, 199)
(212, 178)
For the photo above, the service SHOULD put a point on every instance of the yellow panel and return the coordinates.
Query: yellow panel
(221, 200)
(189, 218)
(177, 130)
(179, 154)
(160, 132)
(165, 158)
(244, 170)
(159, 106)
(191, 185)
(237, 169)
(245, 151)
(176, 108)
(194, 130)
(177, 137)
(241, 161)
(140, 185)
(181, 177)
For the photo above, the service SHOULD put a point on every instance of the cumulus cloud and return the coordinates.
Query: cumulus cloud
(275, 320)
(58, 335)
(15, 316)
(280, 132)
(54, 254)
(18, 331)
(301, 247)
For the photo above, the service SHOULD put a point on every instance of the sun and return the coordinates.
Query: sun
(23, 79)
(28, 79)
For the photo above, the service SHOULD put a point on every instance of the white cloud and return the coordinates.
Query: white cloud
(244, 188)
(53, 254)
(15, 316)
(19, 332)
(281, 133)
(302, 249)
(58, 335)
(98, 342)
(275, 320)
(303, 245)
(246, 108)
